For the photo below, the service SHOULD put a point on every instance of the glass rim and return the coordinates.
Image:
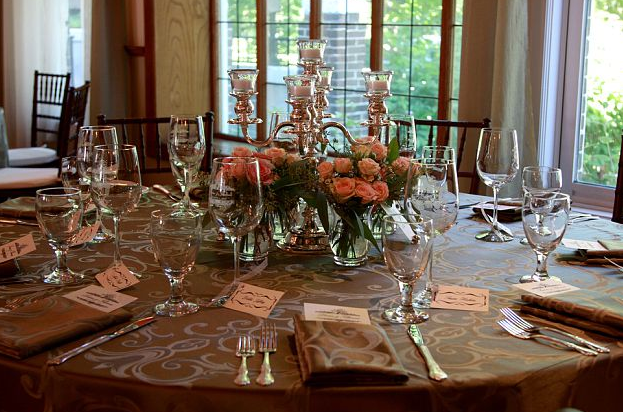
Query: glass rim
(99, 127)
(246, 159)
(433, 161)
(548, 196)
(548, 168)
(420, 220)
(169, 212)
(114, 147)
(65, 190)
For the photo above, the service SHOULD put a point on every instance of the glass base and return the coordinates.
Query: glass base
(535, 277)
(493, 236)
(57, 277)
(524, 241)
(423, 299)
(175, 309)
(400, 315)
(103, 235)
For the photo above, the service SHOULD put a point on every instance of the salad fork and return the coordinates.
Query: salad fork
(245, 349)
(523, 324)
(522, 334)
(268, 345)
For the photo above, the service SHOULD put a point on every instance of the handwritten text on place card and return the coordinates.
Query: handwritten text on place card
(582, 244)
(116, 278)
(86, 234)
(548, 287)
(253, 299)
(16, 248)
(99, 298)
(331, 313)
(460, 298)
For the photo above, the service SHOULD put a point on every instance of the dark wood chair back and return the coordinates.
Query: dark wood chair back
(149, 136)
(72, 119)
(617, 210)
(440, 132)
(50, 92)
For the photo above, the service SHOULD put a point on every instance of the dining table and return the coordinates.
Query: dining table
(188, 363)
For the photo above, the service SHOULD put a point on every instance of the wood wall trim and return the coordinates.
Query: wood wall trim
(150, 59)
(445, 60)
(213, 52)
(376, 40)
(262, 65)
(1, 53)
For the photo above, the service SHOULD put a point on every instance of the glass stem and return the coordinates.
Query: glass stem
(177, 289)
(61, 260)
(494, 223)
(406, 295)
(235, 240)
(541, 265)
(117, 257)
(187, 180)
(429, 275)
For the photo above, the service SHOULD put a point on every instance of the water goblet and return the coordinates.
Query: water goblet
(544, 218)
(497, 163)
(235, 200)
(59, 213)
(540, 180)
(402, 129)
(71, 178)
(432, 193)
(116, 186)
(187, 146)
(176, 239)
(407, 242)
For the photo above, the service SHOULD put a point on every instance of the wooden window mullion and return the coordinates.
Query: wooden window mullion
(445, 59)
(262, 65)
(376, 36)
(315, 15)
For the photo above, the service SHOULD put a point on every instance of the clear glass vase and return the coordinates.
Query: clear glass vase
(348, 247)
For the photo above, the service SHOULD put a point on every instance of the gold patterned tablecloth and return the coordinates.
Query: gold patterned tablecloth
(189, 363)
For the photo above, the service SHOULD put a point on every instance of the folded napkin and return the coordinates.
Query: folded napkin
(509, 210)
(614, 252)
(50, 322)
(345, 354)
(583, 309)
(19, 207)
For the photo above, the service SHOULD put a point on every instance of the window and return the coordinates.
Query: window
(414, 38)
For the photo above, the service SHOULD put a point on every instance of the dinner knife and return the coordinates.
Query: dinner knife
(166, 192)
(434, 371)
(13, 221)
(98, 341)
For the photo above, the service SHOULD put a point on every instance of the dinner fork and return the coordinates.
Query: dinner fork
(523, 324)
(268, 345)
(245, 349)
(522, 334)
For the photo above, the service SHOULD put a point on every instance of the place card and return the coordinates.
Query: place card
(400, 220)
(331, 313)
(460, 298)
(548, 287)
(582, 244)
(489, 206)
(101, 299)
(17, 248)
(116, 278)
(253, 300)
(86, 234)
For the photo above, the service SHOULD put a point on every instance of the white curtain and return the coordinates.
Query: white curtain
(495, 74)
(35, 38)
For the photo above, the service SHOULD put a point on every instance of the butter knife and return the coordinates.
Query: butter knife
(98, 341)
(434, 371)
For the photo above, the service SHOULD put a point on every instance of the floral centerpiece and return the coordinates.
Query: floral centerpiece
(357, 179)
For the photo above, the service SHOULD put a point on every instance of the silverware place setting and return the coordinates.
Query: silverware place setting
(244, 350)
(434, 370)
(267, 345)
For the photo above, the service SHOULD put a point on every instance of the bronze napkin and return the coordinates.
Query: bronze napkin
(50, 322)
(345, 354)
(614, 252)
(19, 207)
(505, 215)
(587, 310)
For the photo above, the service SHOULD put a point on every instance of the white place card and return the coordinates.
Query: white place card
(116, 278)
(548, 287)
(86, 234)
(460, 298)
(17, 248)
(253, 299)
(489, 206)
(331, 313)
(400, 220)
(582, 244)
(101, 299)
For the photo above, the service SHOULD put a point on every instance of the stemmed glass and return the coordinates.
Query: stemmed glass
(407, 245)
(71, 178)
(88, 138)
(540, 180)
(235, 200)
(497, 163)
(116, 185)
(544, 218)
(176, 239)
(433, 194)
(59, 213)
(187, 146)
(401, 128)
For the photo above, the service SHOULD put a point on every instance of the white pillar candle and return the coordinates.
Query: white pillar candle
(301, 91)
(242, 84)
(378, 85)
(310, 53)
(324, 81)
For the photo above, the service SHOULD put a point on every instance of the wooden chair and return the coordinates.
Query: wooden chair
(72, 119)
(439, 133)
(617, 210)
(147, 134)
(49, 96)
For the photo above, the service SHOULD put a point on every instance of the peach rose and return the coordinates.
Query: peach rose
(401, 165)
(365, 191)
(292, 158)
(266, 172)
(368, 168)
(343, 165)
(382, 191)
(344, 188)
(241, 151)
(379, 150)
(276, 155)
(361, 149)
(325, 170)
(238, 169)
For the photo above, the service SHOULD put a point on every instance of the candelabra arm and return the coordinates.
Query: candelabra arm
(340, 127)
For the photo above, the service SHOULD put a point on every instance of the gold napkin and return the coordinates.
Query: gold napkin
(19, 207)
(583, 309)
(345, 354)
(50, 322)
(504, 215)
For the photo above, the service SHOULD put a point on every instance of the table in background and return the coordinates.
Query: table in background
(189, 363)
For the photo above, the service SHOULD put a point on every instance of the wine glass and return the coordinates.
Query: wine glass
(544, 218)
(187, 146)
(88, 138)
(176, 239)
(402, 129)
(540, 180)
(407, 242)
(432, 194)
(282, 139)
(497, 163)
(71, 178)
(116, 185)
(59, 213)
(439, 152)
(235, 199)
